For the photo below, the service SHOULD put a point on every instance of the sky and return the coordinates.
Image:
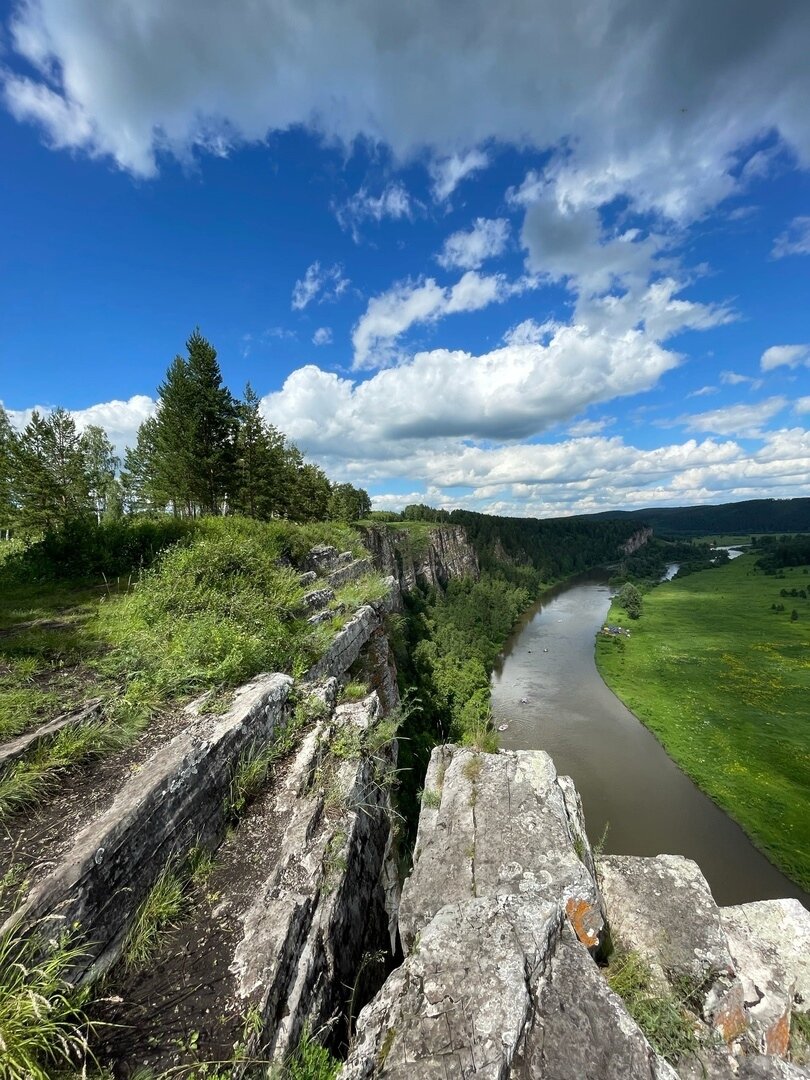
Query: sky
(531, 258)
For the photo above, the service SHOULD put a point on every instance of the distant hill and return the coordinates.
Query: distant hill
(754, 516)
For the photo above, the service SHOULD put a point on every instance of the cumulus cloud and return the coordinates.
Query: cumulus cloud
(795, 240)
(393, 202)
(408, 303)
(745, 421)
(785, 356)
(448, 172)
(322, 336)
(486, 239)
(321, 283)
(802, 405)
(621, 110)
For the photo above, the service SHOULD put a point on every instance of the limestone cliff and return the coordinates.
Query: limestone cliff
(429, 557)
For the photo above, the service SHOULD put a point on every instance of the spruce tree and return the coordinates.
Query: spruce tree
(213, 428)
(139, 488)
(171, 462)
(7, 444)
(259, 462)
(50, 477)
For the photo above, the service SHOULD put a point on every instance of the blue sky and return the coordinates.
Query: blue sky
(535, 261)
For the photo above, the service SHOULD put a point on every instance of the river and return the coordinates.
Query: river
(547, 689)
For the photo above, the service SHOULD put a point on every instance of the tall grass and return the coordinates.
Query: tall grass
(44, 1028)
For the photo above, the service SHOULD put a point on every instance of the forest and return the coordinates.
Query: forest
(203, 453)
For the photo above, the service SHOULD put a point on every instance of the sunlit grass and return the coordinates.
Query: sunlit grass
(723, 680)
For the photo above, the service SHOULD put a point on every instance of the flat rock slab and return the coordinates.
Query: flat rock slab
(770, 943)
(177, 800)
(16, 749)
(499, 987)
(662, 908)
(347, 644)
(502, 827)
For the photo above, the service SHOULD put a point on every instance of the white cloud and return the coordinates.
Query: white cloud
(486, 239)
(795, 240)
(447, 173)
(802, 405)
(590, 427)
(734, 378)
(652, 101)
(322, 336)
(322, 283)
(409, 303)
(530, 332)
(785, 356)
(745, 421)
(704, 391)
(393, 202)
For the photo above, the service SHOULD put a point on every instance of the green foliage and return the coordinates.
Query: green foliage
(309, 1061)
(348, 503)
(661, 1015)
(353, 691)
(44, 1028)
(724, 684)
(630, 599)
(33, 777)
(213, 612)
(155, 917)
(800, 1038)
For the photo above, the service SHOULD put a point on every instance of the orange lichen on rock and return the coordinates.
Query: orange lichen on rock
(730, 1017)
(777, 1037)
(586, 920)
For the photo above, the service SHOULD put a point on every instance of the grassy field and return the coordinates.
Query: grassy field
(723, 680)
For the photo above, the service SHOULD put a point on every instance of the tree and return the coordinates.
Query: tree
(170, 458)
(630, 600)
(51, 484)
(348, 503)
(261, 481)
(140, 490)
(213, 428)
(7, 445)
(101, 465)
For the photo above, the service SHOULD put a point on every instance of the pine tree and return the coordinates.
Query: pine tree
(139, 488)
(171, 461)
(213, 428)
(50, 477)
(259, 462)
(7, 445)
(348, 503)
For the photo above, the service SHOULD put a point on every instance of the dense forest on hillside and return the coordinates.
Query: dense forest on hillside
(739, 518)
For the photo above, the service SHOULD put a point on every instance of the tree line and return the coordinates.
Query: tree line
(204, 452)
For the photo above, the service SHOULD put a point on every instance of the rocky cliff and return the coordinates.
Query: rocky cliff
(427, 556)
(506, 923)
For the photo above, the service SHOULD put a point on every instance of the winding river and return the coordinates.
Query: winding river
(547, 689)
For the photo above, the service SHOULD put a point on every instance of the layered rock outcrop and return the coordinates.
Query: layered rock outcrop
(430, 558)
(505, 921)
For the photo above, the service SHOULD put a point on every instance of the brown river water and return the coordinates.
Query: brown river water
(546, 688)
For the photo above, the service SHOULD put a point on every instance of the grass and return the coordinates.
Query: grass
(212, 612)
(661, 1015)
(156, 916)
(43, 1025)
(722, 680)
(800, 1038)
(32, 778)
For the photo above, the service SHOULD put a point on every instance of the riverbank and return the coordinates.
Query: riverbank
(717, 669)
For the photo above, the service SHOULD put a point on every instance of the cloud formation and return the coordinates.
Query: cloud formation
(621, 109)
(408, 303)
(467, 250)
(393, 202)
(795, 240)
(785, 356)
(321, 283)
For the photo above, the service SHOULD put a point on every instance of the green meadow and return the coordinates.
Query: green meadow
(723, 680)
